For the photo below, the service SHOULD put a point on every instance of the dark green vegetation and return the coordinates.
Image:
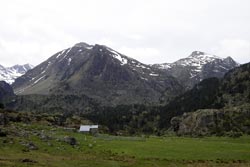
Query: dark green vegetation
(232, 122)
(230, 96)
(129, 119)
(26, 140)
(6, 91)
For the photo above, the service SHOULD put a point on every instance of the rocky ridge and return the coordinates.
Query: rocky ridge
(198, 66)
(98, 72)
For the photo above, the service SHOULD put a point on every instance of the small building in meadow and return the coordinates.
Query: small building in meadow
(88, 129)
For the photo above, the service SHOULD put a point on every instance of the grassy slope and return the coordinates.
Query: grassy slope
(122, 151)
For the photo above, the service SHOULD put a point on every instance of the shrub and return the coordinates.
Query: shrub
(234, 134)
(1, 106)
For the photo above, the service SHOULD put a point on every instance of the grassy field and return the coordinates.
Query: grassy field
(113, 151)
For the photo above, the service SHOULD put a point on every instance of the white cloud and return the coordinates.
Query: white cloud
(106, 42)
(145, 55)
(236, 48)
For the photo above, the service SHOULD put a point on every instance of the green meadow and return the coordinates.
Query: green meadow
(114, 151)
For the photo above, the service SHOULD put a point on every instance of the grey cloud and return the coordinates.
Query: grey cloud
(150, 31)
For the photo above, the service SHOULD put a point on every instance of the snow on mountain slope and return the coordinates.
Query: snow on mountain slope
(98, 72)
(197, 59)
(198, 66)
(9, 74)
(70, 57)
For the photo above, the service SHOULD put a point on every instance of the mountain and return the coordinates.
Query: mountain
(232, 92)
(9, 74)
(213, 106)
(198, 66)
(5, 91)
(99, 73)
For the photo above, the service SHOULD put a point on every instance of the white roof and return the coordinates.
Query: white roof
(86, 128)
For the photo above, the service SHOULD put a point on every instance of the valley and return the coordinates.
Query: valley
(91, 83)
(43, 143)
(193, 112)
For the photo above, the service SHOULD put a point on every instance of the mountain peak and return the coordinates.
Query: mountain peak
(197, 53)
(83, 44)
(203, 55)
(100, 73)
(196, 59)
(198, 66)
(230, 60)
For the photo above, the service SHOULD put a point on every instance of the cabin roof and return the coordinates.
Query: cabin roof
(86, 128)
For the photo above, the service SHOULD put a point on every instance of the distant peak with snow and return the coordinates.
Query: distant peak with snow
(9, 74)
(198, 66)
(197, 53)
(197, 58)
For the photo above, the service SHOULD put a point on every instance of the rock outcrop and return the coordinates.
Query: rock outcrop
(205, 122)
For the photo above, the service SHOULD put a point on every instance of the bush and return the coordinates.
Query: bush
(1, 106)
(3, 133)
(234, 134)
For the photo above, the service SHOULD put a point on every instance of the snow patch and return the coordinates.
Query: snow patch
(164, 66)
(141, 66)
(197, 70)
(197, 60)
(49, 63)
(119, 57)
(66, 54)
(60, 53)
(153, 74)
(216, 70)
(192, 75)
(223, 67)
(21, 90)
(38, 80)
(144, 78)
(89, 47)
(69, 61)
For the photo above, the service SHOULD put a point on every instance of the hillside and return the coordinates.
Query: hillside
(100, 73)
(6, 92)
(226, 102)
(197, 67)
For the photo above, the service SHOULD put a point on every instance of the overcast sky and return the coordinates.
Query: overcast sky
(151, 31)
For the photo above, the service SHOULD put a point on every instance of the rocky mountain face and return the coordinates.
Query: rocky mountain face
(9, 74)
(226, 103)
(100, 73)
(231, 122)
(5, 91)
(198, 66)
